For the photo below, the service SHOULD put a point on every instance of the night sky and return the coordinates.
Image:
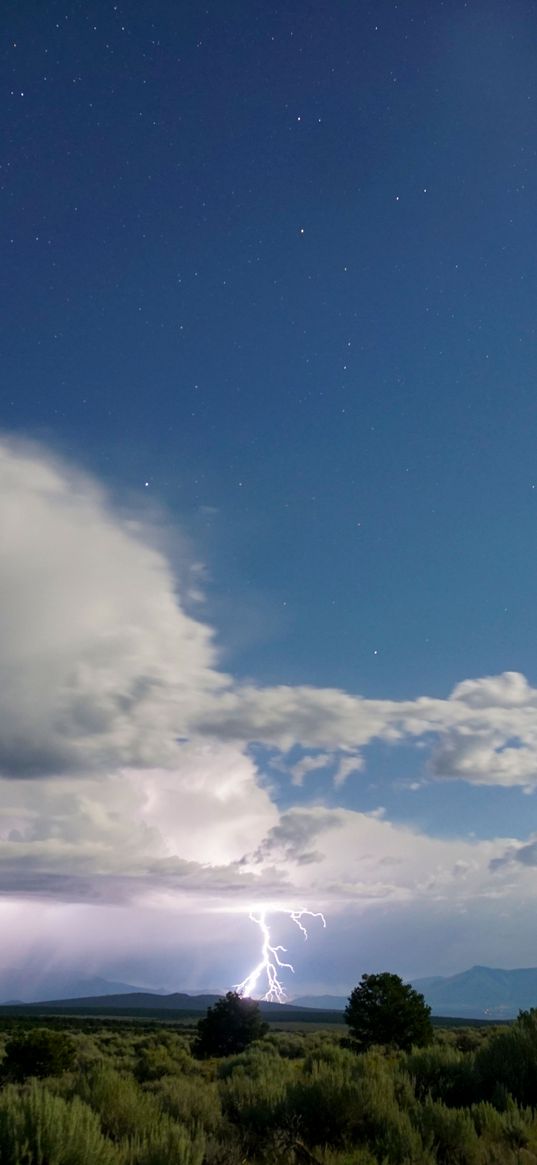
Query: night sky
(269, 483)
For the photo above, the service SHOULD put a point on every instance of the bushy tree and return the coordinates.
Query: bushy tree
(39, 1052)
(231, 1024)
(384, 1010)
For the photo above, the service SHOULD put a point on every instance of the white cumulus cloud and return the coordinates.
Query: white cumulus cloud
(100, 666)
(124, 749)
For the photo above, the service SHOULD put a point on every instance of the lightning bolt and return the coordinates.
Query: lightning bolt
(270, 961)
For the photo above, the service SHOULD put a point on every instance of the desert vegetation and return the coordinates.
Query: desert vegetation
(91, 1092)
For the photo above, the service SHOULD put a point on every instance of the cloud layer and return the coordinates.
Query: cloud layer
(126, 770)
(101, 666)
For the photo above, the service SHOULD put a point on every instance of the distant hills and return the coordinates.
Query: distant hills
(479, 993)
(332, 1002)
(134, 1001)
(30, 986)
(144, 1004)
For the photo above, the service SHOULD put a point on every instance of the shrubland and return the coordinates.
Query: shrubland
(135, 1094)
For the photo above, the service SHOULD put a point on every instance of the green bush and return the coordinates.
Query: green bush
(388, 1108)
(324, 1106)
(166, 1144)
(290, 1046)
(254, 1062)
(468, 1039)
(164, 1055)
(507, 1063)
(124, 1109)
(451, 1133)
(345, 1157)
(488, 1122)
(333, 1055)
(226, 1148)
(257, 1106)
(443, 1073)
(155, 1062)
(38, 1128)
(88, 1053)
(38, 1052)
(194, 1103)
(513, 1129)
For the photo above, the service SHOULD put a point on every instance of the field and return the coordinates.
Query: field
(134, 1094)
(277, 1017)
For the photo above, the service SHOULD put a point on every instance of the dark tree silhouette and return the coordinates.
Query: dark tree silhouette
(229, 1026)
(384, 1010)
(39, 1052)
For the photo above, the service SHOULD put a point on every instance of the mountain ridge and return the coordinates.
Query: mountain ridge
(490, 992)
(148, 1005)
(22, 986)
(480, 992)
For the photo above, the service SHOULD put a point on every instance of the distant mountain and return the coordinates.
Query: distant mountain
(331, 1002)
(31, 988)
(146, 1003)
(481, 992)
(133, 1000)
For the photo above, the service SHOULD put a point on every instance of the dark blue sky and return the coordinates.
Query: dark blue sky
(269, 274)
(280, 261)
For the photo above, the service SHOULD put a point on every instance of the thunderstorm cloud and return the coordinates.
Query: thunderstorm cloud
(127, 772)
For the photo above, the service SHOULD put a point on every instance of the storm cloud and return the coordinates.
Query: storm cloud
(125, 750)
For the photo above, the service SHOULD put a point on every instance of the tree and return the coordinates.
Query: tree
(384, 1010)
(39, 1052)
(229, 1026)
